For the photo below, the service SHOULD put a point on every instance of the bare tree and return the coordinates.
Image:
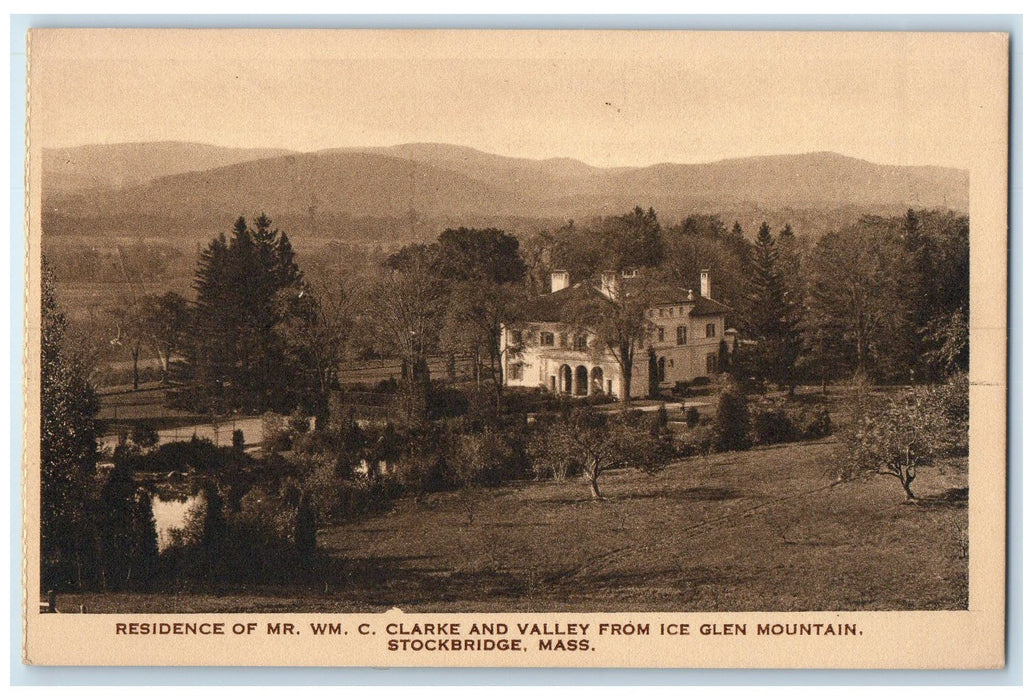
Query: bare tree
(316, 319)
(616, 322)
(163, 321)
(402, 309)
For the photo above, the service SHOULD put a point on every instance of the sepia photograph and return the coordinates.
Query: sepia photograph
(434, 326)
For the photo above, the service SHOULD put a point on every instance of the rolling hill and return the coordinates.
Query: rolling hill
(178, 188)
(130, 164)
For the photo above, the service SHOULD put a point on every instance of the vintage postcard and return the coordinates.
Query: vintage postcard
(516, 348)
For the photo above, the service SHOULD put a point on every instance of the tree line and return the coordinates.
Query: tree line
(886, 298)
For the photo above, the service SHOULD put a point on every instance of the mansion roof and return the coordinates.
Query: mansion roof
(557, 307)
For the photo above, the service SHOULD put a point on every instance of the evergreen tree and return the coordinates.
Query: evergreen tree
(654, 373)
(116, 534)
(214, 530)
(633, 240)
(773, 310)
(732, 420)
(918, 283)
(629, 241)
(68, 452)
(305, 531)
(144, 543)
(739, 244)
(235, 358)
(723, 358)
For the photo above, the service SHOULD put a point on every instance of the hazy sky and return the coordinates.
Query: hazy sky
(629, 98)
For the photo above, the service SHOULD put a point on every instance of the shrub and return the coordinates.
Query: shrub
(488, 458)
(689, 388)
(691, 416)
(420, 465)
(547, 462)
(276, 436)
(327, 488)
(732, 420)
(417, 473)
(335, 499)
(814, 424)
(144, 435)
(951, 399)
(386, 386)
(126, 534)
(446, 402)
(695, 442)
(271, 537)
(196, 454)
(259, 542)
(773, 426)
(661, 418)
(297, 423)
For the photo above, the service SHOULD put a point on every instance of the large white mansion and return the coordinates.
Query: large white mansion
(682, 330)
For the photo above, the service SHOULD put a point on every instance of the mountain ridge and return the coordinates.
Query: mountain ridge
(442, 182)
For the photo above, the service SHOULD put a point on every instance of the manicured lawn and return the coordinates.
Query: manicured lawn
(756, 530)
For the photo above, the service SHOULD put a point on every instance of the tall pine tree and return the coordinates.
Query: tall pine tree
(773, 308)
(235, 359)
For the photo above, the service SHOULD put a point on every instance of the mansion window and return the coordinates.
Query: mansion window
(516, 371)
(683, 335)
(711, 330)
(547, 338)
(711, 363)
(659, 334)
(516, 337)
(581, 342)
(563, 340)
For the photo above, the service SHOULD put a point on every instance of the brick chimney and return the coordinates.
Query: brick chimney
(560, 280)
(704, 283)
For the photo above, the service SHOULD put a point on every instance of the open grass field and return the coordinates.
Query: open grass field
(757, 530)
